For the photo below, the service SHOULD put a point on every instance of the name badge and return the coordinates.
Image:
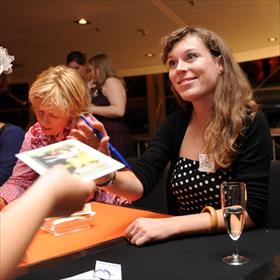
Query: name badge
(205, 165)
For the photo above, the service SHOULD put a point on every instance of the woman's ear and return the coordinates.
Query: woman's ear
(220, 63)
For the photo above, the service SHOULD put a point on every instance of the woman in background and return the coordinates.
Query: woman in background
(109, 103)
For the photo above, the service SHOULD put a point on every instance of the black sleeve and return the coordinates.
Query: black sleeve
(162, 149)
(252, 165)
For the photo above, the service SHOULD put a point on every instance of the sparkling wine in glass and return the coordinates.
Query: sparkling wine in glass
(233, 201)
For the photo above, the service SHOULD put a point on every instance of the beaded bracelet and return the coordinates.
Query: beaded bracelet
(109, 182)
(214, 218)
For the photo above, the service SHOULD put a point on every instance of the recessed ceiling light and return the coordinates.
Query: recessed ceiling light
(142, 31)
(150, 54)
(272, 39)
(82, 21)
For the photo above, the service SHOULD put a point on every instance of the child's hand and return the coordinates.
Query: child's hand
(67, 192)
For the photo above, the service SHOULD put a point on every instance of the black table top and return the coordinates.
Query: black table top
(198, 257)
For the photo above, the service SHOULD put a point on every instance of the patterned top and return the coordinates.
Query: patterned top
(23, 176)
(194, 189)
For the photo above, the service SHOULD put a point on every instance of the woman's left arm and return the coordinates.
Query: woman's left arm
(145, 230)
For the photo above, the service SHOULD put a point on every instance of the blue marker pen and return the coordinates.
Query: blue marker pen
(112, 149)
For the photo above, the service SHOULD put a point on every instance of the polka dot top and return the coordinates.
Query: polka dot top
(194, 189)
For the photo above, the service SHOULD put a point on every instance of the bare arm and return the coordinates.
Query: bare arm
(114, 90)
(49, 196)
(125, 184)
(144, 230)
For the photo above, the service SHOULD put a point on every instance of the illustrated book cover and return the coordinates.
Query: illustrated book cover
(80, 159)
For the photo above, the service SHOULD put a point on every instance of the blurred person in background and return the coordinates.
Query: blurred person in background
(11, 136)
(78, 61)
(109, 102)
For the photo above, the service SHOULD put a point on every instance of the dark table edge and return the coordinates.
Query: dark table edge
(49, 263)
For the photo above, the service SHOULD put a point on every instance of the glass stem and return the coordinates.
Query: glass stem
(236, 248)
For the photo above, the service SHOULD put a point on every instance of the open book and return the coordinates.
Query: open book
(80, 159)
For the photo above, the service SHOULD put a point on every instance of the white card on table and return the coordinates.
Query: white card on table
(106, 269)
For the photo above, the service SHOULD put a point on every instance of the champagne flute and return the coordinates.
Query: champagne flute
(233, 201)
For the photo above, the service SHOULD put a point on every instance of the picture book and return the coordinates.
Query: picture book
(80, 159)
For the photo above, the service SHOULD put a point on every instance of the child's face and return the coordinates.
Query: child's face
(52, 120)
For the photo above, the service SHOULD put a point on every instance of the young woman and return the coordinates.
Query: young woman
(58, 97)
(217, 136)
(109, 103)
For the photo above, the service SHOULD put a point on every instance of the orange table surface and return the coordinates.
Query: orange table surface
(109, 222)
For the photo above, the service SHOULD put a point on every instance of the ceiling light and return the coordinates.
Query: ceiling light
(272, 39)
(142, 31)
(192, 2)
(96, 30)
(150, 54)
(82, 21)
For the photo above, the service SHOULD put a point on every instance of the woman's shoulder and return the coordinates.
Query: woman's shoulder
(113, 84)
(113, 80)
(260, 117)
(256, 131)
(258, 121)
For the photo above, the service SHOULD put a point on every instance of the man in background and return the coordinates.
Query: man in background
(77, 60)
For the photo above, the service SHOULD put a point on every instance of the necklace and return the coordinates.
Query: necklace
(96, 93)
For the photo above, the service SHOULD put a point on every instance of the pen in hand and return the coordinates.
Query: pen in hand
(112, 149)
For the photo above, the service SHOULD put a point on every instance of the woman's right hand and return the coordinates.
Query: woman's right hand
(84, 133)
(145, 230)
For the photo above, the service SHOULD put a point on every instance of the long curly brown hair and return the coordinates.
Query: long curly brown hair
(233, 97)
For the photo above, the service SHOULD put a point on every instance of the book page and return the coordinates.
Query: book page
(80, 159)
